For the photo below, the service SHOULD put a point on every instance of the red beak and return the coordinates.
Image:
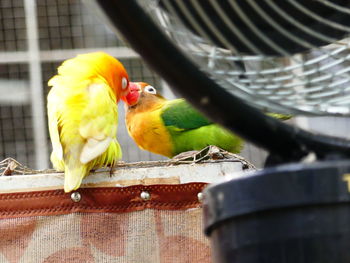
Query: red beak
(133, 96)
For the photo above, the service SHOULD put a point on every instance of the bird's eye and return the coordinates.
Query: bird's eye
(150, 89)
(124, 83)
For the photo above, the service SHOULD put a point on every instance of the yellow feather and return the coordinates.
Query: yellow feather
(83, 117)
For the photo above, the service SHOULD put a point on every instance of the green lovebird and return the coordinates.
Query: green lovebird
(170, 127)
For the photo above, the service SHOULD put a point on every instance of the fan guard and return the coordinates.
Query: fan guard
(280, 56)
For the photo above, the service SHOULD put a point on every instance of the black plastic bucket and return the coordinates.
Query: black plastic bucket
(296, 213)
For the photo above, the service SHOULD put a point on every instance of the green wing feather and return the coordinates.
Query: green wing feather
(178, 114)
(190, 130)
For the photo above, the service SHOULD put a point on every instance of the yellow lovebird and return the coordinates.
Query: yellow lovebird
(83, 115)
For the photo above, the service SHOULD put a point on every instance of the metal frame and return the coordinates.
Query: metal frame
(59, 55)
(36, 89)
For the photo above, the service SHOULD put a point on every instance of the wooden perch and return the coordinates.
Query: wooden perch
(208, 165)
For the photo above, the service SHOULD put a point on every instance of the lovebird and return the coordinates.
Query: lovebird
(83, 115)
(170, 127)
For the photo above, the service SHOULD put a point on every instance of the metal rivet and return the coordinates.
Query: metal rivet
(76, 197)
(200, 196)
(145, 196)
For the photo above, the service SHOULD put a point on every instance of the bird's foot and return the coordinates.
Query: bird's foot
(111, 170)
(113, 166)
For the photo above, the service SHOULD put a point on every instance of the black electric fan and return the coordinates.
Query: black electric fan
(231, 59)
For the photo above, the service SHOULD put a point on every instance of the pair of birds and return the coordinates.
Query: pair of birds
(83, 118)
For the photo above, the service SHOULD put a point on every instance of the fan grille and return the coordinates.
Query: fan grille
(281, 56)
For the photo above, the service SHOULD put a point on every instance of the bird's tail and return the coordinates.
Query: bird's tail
(73, 177)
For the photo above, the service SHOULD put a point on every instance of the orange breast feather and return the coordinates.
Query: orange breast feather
(149, 133)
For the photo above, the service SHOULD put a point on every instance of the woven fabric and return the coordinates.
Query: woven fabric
(142, 236)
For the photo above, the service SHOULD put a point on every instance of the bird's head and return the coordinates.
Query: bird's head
(142, 93)
(120, 83)
(115, 74)
(98, 65)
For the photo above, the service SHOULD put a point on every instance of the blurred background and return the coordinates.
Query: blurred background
(35, 37)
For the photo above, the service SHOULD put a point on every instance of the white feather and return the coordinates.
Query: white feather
(56, 143)
(57, 149)
(53, 124)
(94, 148)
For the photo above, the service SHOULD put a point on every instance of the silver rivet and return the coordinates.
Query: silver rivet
(145, 196)
(76, 197)
(200, 196)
